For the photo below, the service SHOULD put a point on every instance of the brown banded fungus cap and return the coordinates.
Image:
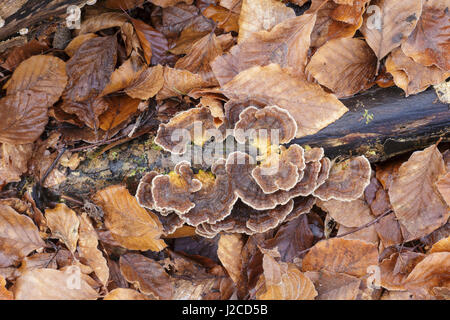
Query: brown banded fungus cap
(280, 171)
(254, 124)
(347, 180)
(245, 219)
(175, 135)
(172, 192)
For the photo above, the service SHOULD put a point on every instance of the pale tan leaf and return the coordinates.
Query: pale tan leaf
(229, 253)
(131, 225)
(147, 84)
(18, 236)
(397, 19)
(443, 185)
(257, 15)
(334, 286)
(125, 294)
(50, 284)
(179, 82)
(14, 161)
(147, 275)
(88, 251)
(350, 58)
(63, 223)
(417, 203)
(283, 281)
(310, 106)
(351, 257)
(5, 294)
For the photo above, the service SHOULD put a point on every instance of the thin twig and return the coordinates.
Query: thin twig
(55, 162)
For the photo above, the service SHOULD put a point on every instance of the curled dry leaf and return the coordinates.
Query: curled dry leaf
(442, 245)
(5, 294)
(18, 236)
(179, 82)
(351, 58)
(429, 43)
(397, 19)
(103, 21)
(257, 15)
(147, 84)
(123, 4)
(417, 203)
(334, 286)
(351, 257)
(229, 253)
(310, 106)
(355, 213)
(35, 85)
(120, 109)
(198, 58)
(130, 224)
(395, 269)
(147, 275)
(75, 44)
(88, 251)
(430, 273)
(50, 284)
(64, 223)
(13, 161)
(90, 69)
(443, 185)
(225, 19)
(413, 77)
(286, 44)
(168, 3)
(21, 53)
(347, 180)
(125, 294)
(284, 281)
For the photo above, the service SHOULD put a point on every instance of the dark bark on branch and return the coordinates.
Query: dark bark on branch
(399, 125)
(20, 14)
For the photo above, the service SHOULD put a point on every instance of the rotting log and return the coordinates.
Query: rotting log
(398, 125)
(18, 14)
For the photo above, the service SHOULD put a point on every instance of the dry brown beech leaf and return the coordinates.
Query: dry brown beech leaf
(388, 230)
(75, 44)
(310, 106)
(286, 44)
(355, 213)
(103, 21)
(347, 180)
(257, 15)
(18, 236)
(443, 185)
(368, 234)
(120, 109)
(177, 134)
(50, 284)
(417, 203)
(252, 121)
(430, 273)
(179, 82)
(88, 251)
(335, 21)
(442, 245)
(395, 269)
(39, 261)
(429, 43)
(351, 58)
(280, 171)
(291, 238)
(351, 257)
(334, 286)
(284, 281)
(387, 27)
(198, 58)
(125, 294)
(147, 275)
(23, 52)
(13, 161)
(147, 84)
(229, 253)
(168, 3)
(130, 224)
(225, 19)
(90, 69)
(413, 77)
(64, 224)
(5, 294)
(124, 76)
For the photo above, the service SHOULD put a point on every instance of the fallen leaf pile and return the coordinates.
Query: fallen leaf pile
(320, 229)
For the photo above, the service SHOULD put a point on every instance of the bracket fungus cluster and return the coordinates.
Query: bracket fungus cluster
(243, 192)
